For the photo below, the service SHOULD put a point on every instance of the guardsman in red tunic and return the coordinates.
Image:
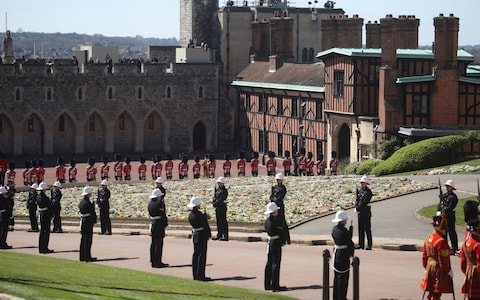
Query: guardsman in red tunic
(320, 165)
(436, 261)
(197, 167)
(211, 166)
(3, 168)
(10, 174)
(287, 163)
(309, 164)
(169, 167)
(241, 164)
(227, 165)
(157, 168)
(91, 170)
(302, 161)
(72, 171)
(105, 169)
(40, 171)
(152, 168)
(334, 164)
(26, 173)
(118, 167)
(142, 169)
(183, 168)
(127, 169)
(254, 164)
(34, 172)
(470, 261)
(60, 169)
(271, 164)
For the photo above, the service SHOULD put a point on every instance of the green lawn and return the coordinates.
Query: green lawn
(472, 162)
(39, 277)
(430, 211)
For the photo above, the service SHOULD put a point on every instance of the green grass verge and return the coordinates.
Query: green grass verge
(472, 162)
(38, 277)
(430, 211)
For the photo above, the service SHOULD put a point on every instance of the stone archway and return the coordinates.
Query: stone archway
(154, 133)
(95, 134)
(199, 137)
(33, 135)
(343, 152)
(124, 133)
(64, 133)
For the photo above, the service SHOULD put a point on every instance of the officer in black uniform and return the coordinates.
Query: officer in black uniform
(200, 235)
(342, 251)
(450, 201)
(11, 196)
(103, 203)
(88, 220)
(362, 207)
(4, 217)
(32, 207)
(274, 226)
(56, 196)
(279, 192)
(159, 221)
(45, 207)
(220, 205)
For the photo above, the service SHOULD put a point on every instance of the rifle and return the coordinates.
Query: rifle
(444, 222)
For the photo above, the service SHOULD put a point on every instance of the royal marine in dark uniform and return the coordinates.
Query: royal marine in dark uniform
(201, 233)
(450, 202)
(220, 204)
(56, 196)
(5, 204)
(103, 203)
(362, 207)
(32, 208)
(158, 221)
(45, 207)
(279, 191)
(88, 220)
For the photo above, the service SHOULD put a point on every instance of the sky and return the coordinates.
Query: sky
(161, 18)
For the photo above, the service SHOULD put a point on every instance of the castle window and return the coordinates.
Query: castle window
(91, 123)
(247, 102)
(61, 124)
(79, 93)
(311, 53)
(338, 83)
(18, 94)
(139, 93)
(169, 92)
(30, 127)
(420, 104)
(304, 55)
(121, 122)
(151, 122)
(110, 93)
(280, 106)
(280, 144)
(200, 92)
(318, 109)
(49, 94)
(294, 108)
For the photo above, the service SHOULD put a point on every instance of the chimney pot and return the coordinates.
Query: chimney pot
(440, 15)
(452, 15)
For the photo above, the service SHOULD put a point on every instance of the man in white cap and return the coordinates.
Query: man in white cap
(158, 220)
(32, 207)
(159, 185)
(200, 234)
(88, 220)
(277, 195)
(274, 226)
(103, 203)
(362, 207)
(449, 203)
(45, 207)
(56, 196)
(4, 217)
(220, 205)
(342, 251)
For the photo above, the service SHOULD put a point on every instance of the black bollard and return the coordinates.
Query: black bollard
(326, 275)
(356, 278)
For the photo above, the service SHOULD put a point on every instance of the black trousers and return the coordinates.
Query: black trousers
(272, 268)
(199, 258)
(340, 285)
(156, 246)
(32, 212)
(105, 223)
(86, 241)
(57, 220)
(451, 232)
(222, 224)
(44, 237)
(3, 229)
(365, 228)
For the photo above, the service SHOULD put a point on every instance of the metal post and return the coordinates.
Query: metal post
(356, 278)
(326, 275)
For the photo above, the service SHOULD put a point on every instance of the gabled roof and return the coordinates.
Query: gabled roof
(290, 76)
(401, 53)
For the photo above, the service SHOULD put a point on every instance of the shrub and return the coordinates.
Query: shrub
(428, 153)
(366, 166)
(351, 169)
(390, 146)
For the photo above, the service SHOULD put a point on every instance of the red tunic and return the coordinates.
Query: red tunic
(118, 169)
(182, 170)
(211, 168)
(26, 176)
(302, 160)
(320, 167)
(309, 166)
(157, 170)
(10, 175)
(333, 165)
(142, 172)
(196, 168)
(436, 261)
(33, 175)
(271, 164)
(227, 165)
(72, 174)
(241, 166)
(169, 168)
(60, 172)
(127, 170)
(254, 165)
(287, 164)
(470, 264)
(104, 170)
(91, 173)
(41, 174)
(3, 165)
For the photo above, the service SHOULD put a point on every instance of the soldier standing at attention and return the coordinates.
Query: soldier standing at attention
(152, 168)
(212, 166)
(470, 261)
(254, 164)
(183, 168)
(26, 173)
(342, 251)
(309, 164)
(159, 185)
(103, 203)
(302, 161)
(56, 196)
(276, 239)
(105, 169)
(45, 207)
(450, 201)
(158, 167)
(127, 169)
(11, 174)
(196, 168)
(334, 164)
(118, 167)
(32, 207)
(241, 164)
(72, 171)
(438, 274)
(41, 171)
(3, 168)
(362, 207)
(158, 219)
(220, 205)
(277, 195)
(91, 170)
(287, 163)
(142, 169)
(271, 164)
(88, 220)
(4, 217)
(320, 165)
(34, 172)
(200, 234)
(169, 167)
(227, 165)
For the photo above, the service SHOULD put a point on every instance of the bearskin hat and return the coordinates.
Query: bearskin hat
(310, 155)
(169, 156)
(227, 156)
(271, 154)
(185, 159)
(41, 162)
(470, 210)
(255, 155)
(154, 159)
(118, 157)
(73, 162)
(60, 161)
(127, 159)
(287, 153)
(11, 165)
(334, 154)
(211, 157)
(158, 158)
(91, 161)
(196, 158)
(2, 154)
(320, 156)
(142, 159)
(105, 159)
(241, 154)
(34, 163)
(303, 151)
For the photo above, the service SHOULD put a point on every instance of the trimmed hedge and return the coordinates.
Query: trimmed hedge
(367, 165)
(428, 153)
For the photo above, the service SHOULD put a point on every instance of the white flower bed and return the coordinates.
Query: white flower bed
(307, 197)
(454, 169)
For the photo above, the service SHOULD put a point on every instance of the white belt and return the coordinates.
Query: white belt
(197, 229)
(86, 215)
(3, 210)
(339, 247)
(156, 218)
(43, 209)
(274, 237)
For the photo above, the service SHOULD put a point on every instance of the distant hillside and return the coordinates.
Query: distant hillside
(62, 45)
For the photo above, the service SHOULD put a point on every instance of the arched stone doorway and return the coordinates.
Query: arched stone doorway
(344, 143)
(154, 133)
(64, 134)
(33, 135)
(124, 133)
(95, 134)
(199, 137)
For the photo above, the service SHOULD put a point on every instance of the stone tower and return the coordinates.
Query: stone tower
(199, 23)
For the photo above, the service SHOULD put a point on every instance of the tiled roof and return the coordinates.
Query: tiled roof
(401, 53)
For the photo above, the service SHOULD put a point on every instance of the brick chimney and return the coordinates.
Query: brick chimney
(274, 63)
(407, 32)
(446, 40)
(261, 40)
(388, 39)
(373, 35)
(281, 36)
(342, 32)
